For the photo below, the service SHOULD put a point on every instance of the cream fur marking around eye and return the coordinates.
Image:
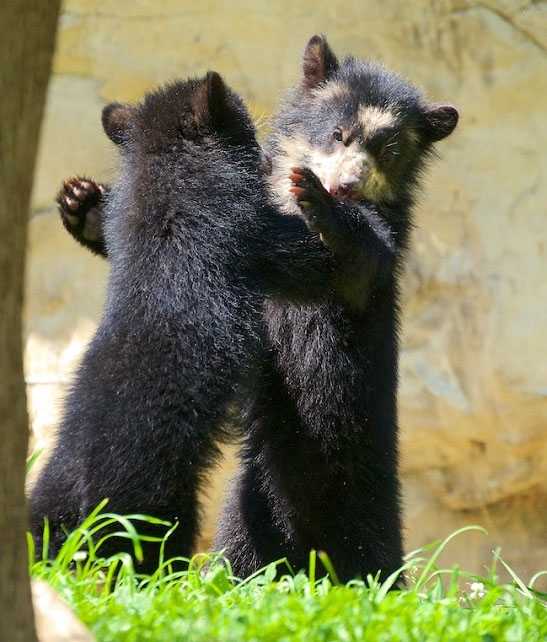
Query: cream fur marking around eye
(373, 118)
(331, 91)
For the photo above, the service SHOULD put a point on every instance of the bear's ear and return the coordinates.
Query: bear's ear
(440, 121)
(216, 106)
(318, 63)
(209, 101)
(116, 121)
(216, 95)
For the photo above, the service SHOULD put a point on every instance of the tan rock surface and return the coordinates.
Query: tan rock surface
(474, 364)
(55, 621)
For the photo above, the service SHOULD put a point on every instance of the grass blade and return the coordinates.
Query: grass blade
(440, 548)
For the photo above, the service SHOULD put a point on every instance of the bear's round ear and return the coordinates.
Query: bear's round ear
(209, 99)
(318, 62)
(216, 96)
(116, 121)
(440, 121)
(215, 106)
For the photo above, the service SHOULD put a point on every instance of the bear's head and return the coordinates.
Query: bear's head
(180, 114)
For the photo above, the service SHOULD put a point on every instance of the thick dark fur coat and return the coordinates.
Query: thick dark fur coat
(319, 461)
(194, 249)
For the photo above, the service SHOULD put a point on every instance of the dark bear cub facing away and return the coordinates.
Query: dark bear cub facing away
(320, 463)
(194, 248)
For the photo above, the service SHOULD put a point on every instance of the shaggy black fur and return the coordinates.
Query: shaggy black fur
(320, 456)
(320, 452)
(193, 248)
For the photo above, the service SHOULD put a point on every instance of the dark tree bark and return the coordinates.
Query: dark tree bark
(27, 37)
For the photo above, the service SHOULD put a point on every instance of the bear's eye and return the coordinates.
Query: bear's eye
(337, 135)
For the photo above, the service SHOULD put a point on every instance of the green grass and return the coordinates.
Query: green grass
(205, 603)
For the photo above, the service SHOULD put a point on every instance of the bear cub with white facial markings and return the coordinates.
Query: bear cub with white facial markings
(320, 458)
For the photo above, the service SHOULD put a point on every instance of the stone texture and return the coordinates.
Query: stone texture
(474, 365)
(55, 621)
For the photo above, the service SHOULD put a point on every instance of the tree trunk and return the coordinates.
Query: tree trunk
(27, 37)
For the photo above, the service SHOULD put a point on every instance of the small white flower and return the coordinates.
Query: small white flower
(79, 556)
(476, 590)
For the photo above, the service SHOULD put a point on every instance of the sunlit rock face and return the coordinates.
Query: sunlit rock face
(53, 618)
(473, 397)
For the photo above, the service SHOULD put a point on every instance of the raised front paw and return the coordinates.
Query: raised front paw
(315, 202)
(80, 202)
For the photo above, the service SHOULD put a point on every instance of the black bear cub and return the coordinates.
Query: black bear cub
(320, 465)
(194, 249)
